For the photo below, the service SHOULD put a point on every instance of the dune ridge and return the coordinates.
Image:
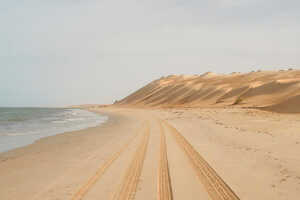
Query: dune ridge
(277, 91)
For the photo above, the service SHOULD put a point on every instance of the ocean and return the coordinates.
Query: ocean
(22, 126)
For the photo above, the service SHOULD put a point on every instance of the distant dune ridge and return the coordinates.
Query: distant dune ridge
(277, 91)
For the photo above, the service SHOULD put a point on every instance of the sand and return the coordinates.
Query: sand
(212, 136)
(212, 153)
(276, 91)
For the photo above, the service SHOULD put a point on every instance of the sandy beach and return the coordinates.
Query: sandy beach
(150, 100)
(212, 153)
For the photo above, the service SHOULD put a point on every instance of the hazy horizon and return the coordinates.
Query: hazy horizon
(79, 52)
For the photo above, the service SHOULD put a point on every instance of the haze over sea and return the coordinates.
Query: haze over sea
(23, 126)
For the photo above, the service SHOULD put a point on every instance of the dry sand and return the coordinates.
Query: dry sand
(212, 153)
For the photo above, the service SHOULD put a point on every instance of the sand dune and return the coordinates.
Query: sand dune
(290, 105)
(271, 90)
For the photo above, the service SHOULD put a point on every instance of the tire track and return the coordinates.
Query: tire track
(164, 182)
(215, 186)
(130, 182)
(89, 184)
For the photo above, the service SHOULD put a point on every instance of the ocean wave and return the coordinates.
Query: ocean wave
(75, 119)
(74, 113)
(20, 134)
(37, 123)
(59, 122)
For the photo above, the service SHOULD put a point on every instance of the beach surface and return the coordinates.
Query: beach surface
(211, 153)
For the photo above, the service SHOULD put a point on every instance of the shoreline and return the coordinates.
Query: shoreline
(233, 141)
(48, 160)
(23, 140)
(109, 119)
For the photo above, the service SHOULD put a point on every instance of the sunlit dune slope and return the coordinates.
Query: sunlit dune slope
(271, 90)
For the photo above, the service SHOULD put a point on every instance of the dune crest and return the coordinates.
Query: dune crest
(277, 91)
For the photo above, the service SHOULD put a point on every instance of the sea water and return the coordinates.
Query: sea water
(23, 126)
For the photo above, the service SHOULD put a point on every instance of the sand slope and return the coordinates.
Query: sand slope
(273, 90)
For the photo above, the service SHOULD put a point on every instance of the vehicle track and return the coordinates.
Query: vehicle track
(92, 180)
(164, 182)
(130, 182)
(215, 186)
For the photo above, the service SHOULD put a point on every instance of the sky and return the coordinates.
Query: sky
(66, 52)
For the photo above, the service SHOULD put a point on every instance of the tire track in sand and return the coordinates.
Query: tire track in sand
(130, 182)
(92, 180)
(215, 186)
(164, 182)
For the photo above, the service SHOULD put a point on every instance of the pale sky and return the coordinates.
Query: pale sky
(63, 52)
